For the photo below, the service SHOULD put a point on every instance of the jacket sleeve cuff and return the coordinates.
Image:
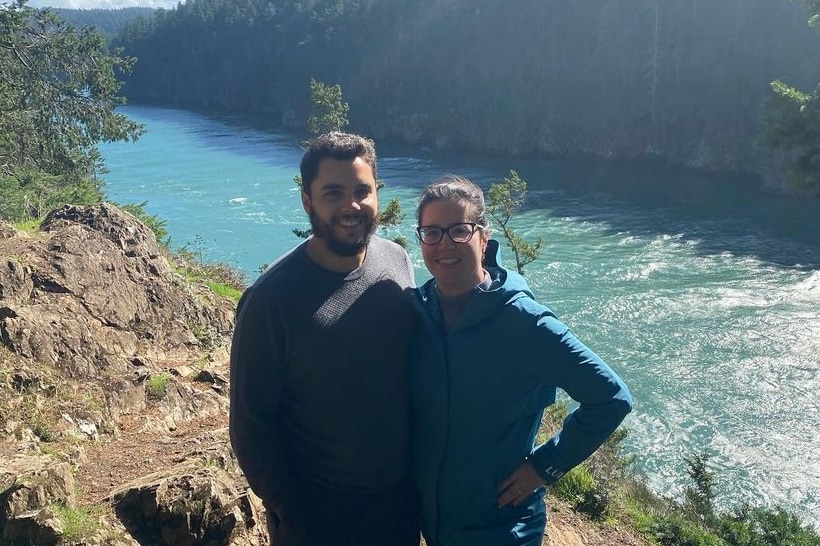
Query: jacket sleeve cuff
(548, 472)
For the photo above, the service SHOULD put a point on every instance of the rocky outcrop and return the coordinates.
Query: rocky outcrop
(99, 296)
(196, 502)
(102, 339)
(31, 487)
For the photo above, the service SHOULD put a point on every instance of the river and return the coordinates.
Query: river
(703, 293)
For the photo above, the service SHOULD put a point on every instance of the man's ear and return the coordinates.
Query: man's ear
(306, 202)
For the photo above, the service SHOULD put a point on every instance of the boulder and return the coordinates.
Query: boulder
(95, 298)
(203, 501)
(28, 488)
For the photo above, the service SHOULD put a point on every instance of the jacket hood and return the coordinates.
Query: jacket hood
(506, 286)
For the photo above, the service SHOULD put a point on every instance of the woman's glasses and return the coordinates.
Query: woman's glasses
(458, 233)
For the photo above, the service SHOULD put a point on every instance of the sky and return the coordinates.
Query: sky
(107, 4)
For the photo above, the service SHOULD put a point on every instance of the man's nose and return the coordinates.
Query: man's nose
(349, 201)
(354, 203)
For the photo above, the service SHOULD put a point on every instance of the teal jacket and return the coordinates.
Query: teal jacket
(478, 394)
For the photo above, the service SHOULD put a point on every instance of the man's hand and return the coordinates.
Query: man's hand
(519, 485)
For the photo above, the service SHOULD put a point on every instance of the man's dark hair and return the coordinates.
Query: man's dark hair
(335, 145)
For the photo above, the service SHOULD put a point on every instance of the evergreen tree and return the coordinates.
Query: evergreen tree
(329, 113)
(793, 124)
(700, 498)
(504, 200)
(58, 97)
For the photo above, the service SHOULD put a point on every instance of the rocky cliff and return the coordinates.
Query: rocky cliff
(113, 392)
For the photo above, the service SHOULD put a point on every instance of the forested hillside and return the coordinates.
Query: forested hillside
(108, 22)
(685, 81)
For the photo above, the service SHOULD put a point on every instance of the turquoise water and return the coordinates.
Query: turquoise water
(705, 299)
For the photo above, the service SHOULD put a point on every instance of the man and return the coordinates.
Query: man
(318, 417)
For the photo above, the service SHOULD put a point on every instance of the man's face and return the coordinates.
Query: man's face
(342, 205)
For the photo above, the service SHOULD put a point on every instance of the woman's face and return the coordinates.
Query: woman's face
(456, 266)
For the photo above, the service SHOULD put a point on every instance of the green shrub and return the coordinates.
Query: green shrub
(27, 194)
(584, 492)
(153, 222)
(764, 527)
(679, 531)
(695, 522)
(12, 200)
(224, 274)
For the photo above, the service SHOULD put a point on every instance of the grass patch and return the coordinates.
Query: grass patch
(30, 226)
(222, 279)
(35, 412)
(201, 330)
(157, 385)
(224, 290)
(574, 486)
(39, 403)
(43, 431)
(77, 523)
(52, 451)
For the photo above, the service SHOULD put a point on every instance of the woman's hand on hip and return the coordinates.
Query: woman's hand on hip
(519, 485)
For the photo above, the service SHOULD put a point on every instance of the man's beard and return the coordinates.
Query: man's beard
(323, 230)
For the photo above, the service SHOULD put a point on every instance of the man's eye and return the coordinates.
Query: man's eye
(332, 194)
(362, 193)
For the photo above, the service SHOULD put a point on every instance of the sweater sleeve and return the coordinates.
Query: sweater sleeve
(257, 372)
(603, 397)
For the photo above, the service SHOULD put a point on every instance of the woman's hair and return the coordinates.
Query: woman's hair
(456, 188)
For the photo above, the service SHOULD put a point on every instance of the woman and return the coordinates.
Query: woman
(485, 364)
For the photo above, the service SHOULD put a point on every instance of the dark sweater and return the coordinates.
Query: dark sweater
(318, 375)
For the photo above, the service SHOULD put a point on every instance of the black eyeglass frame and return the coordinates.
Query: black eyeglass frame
(473, 228)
